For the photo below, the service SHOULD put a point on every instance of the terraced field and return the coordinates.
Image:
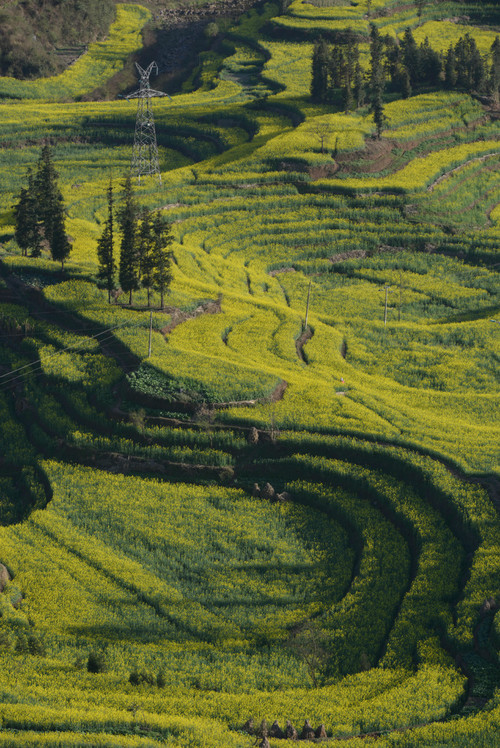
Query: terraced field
(267, 518)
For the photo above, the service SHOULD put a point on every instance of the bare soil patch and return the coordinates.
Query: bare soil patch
(178, 316)
(352, 254)
(375, 157)
(323, 172)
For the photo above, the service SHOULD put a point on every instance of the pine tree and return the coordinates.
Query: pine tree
(320, 71)
(127, 219)
(50, 207)
(336, 68)
(351, 60)
(162, 255)
(411, 57)
(395, 66)
(60, 247)
(450, 68)
(494, 79)
(420, 6)
(377, 81)
(146, 249)
(27, 232)
(359, 88)
(471, 73)
(105, 255)
(40, 212)
(47, 192)
(430, 64)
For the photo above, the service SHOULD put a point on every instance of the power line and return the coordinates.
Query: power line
(39, 363)
(10, 384)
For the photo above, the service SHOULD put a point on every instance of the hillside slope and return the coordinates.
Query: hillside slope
(266, 518)
(31, 32)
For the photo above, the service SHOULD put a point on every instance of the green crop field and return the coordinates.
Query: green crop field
(269, 517)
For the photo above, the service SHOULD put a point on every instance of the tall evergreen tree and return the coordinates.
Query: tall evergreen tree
(377, 79)
(28, 233)
(50, 207)
(410, 56)
(162, 255)
(128, 221)
(40, 212)
(471, 73)
(60, 247)
(420, 7)
(359, 88)
(430, 65)
(320, 71)
(494, 79)
(146, 249)
(351, 59)
(450, 68)
(48, 196)
(105, 249)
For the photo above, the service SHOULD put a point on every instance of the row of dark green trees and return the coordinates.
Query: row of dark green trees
(145, 254)
(39, 213)
(400, 66)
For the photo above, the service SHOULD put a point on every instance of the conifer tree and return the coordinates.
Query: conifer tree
(470, 65)
(105, 249)
(320, 72)
(430, 65)
(146, 251)
(129, 260)
(50, 207)
(351, 60)
(27, 232)
(162, 255)
(450, 68)
(494, 79)
(336, 67)
(40, 212)
(47, 193)
(59, 246)
(410, 56)
(420, 7)
(377, 81)
(359, 88)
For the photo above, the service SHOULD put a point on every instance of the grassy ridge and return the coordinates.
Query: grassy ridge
(92, 69)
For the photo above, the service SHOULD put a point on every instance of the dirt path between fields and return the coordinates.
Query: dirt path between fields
(300, 343)
(457, 168)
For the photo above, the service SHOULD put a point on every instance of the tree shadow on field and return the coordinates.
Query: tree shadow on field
(24, 489)
(163, 630)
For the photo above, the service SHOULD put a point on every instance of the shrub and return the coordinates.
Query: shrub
(96, 662)
(138, 677)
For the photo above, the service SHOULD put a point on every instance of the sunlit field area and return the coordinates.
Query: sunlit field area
(289, 509)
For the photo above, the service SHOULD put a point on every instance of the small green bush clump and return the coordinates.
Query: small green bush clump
(139, 677)
(96, 662)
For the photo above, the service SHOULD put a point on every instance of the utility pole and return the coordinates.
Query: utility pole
(150, 333)
(387, 287)
(400, 294)
(145, 152)
(307, 305)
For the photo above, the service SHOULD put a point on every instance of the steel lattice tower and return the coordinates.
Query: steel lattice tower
(145, 151)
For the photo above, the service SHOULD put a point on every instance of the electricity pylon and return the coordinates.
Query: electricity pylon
(145, 152)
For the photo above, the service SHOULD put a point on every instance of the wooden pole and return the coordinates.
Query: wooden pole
(400, 294)
(150, 333)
